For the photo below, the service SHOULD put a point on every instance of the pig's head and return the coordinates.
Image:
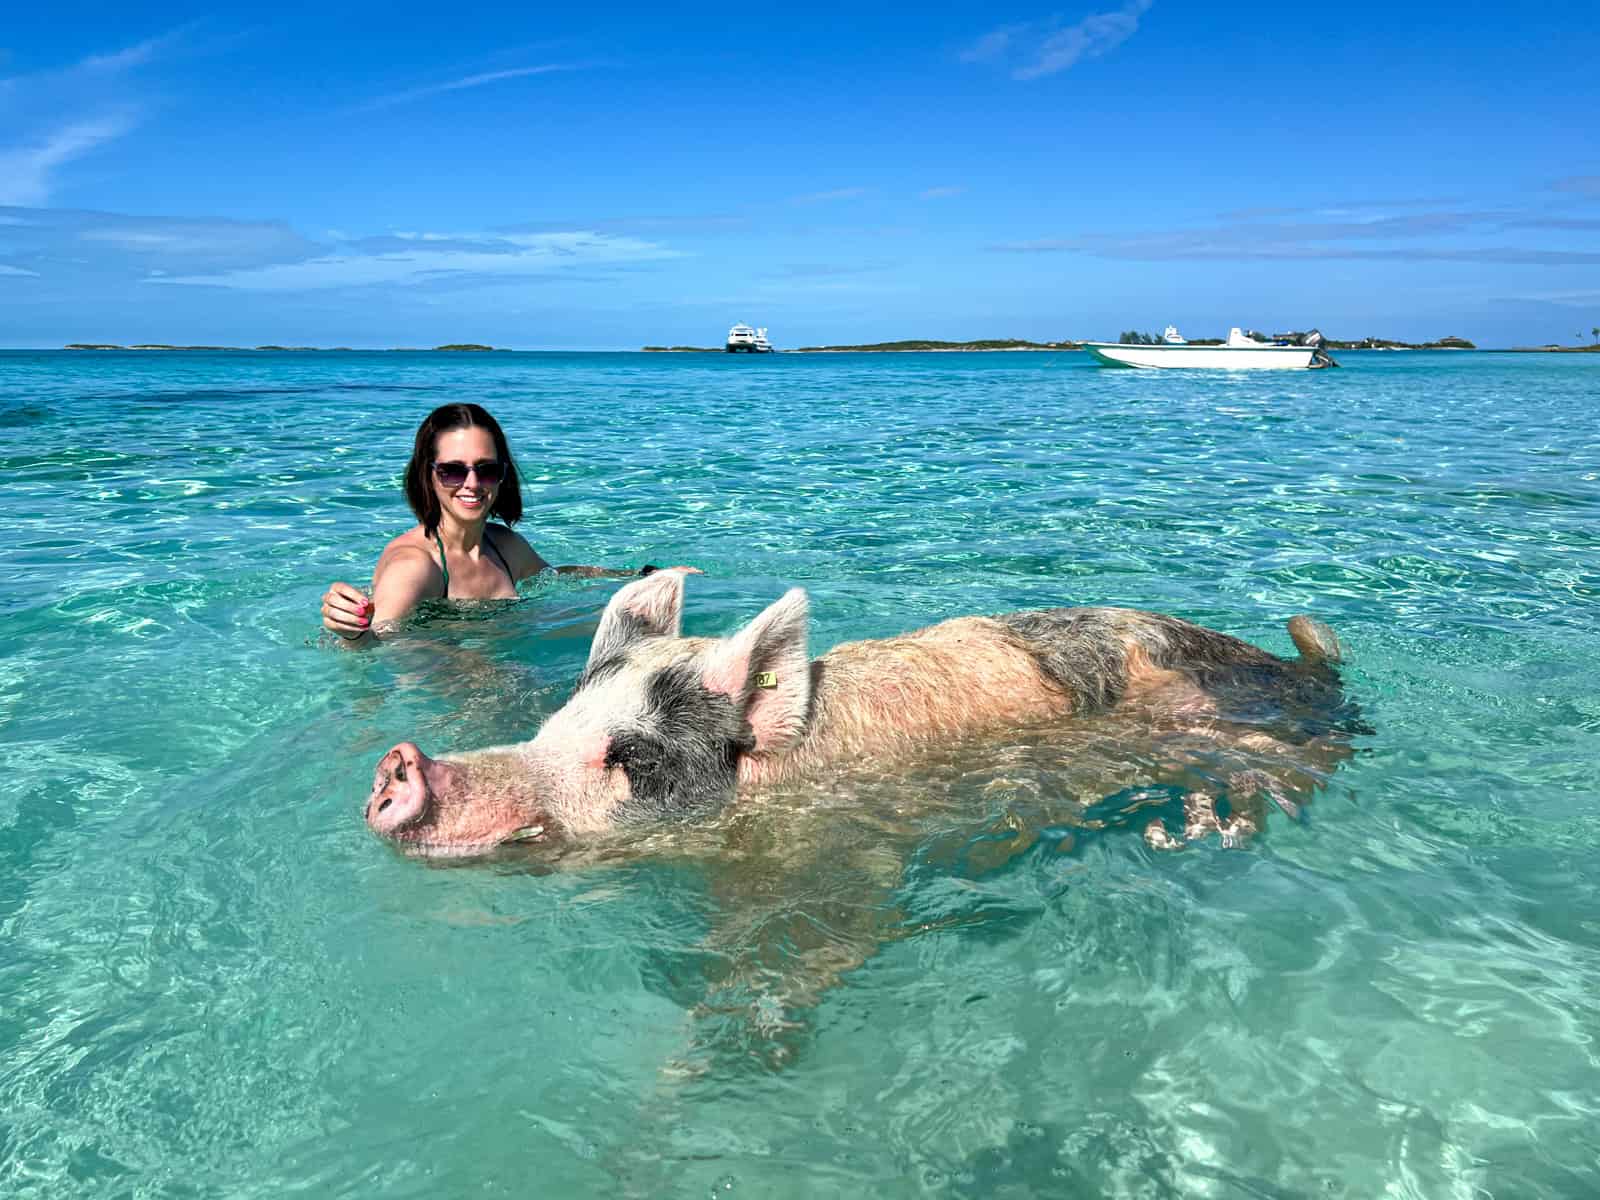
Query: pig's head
(658, 727)
(460, 806)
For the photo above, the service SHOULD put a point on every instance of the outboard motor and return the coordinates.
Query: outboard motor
(1320, 356)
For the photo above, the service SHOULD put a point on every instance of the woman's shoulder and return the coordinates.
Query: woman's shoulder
(413, 548)
(520, 556)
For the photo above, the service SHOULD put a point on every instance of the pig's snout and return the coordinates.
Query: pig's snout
(399, 790)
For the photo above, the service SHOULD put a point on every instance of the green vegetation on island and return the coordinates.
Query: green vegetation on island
(1377, 343)
(1296, 337)
(925, 344)
(464, 346)
(142, 346)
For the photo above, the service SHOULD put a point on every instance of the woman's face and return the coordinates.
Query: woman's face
(472, 498)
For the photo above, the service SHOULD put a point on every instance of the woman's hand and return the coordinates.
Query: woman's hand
(346, 611)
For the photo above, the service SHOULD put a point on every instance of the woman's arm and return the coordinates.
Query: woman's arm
(405, 576)
(524, 560)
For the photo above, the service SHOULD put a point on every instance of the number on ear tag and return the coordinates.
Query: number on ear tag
(767, 679)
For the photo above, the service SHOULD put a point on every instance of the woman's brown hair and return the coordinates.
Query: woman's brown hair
(419, 471)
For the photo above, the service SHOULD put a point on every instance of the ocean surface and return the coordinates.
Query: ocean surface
(968, 977)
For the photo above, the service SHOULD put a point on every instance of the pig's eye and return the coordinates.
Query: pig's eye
(632, 757)
(631, 763)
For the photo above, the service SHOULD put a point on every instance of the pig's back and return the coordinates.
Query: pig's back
(971, 675)
(1095, 655)
(948, 681)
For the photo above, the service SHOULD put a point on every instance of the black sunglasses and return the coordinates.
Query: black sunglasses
(454, 474)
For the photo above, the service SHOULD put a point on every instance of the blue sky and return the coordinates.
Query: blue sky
(603, 177)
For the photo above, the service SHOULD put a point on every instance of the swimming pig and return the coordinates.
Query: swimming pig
(662, 726)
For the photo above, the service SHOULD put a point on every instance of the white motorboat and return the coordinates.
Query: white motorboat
(742, 339)
(1239, 352)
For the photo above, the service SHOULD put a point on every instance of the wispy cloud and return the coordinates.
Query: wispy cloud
(26, 171)
(1037, 49)
(1583, 185)
(136, 55)
(1416, 237)
(116, 246)
(100, 248)
(1136, 251)
(682, 222)
(413, 259)
(18, 271)
(849, 193)
(1355, 209)
(1569, 224)
(826, 271)
(1586, 300)
(482, 79)
(52, 118)
(993, 45)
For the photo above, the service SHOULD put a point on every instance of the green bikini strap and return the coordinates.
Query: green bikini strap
(444, 564)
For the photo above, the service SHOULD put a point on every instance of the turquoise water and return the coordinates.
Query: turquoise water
(214, 981)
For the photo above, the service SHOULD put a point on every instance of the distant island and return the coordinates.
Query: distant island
(888, 347)
(1128, 336)
(453, 347)
(1373, 343)
(1297, 337)
(927, 344)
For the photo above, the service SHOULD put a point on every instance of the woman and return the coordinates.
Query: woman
(460, 475)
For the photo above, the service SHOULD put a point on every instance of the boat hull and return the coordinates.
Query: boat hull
(1220, 358)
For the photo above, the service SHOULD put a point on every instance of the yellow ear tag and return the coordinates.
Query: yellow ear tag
(767, 679)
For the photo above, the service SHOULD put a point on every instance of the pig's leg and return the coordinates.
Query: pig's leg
(794, 915)
(1157, 837)
(1250, 767)
(1201, 819)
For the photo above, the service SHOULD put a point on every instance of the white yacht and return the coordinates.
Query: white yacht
(742, 339)
(1239, 352)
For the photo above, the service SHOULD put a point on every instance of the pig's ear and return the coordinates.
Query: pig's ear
(766, 670)
(648, 607)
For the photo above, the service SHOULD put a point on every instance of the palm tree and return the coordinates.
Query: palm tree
(1595, 333)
